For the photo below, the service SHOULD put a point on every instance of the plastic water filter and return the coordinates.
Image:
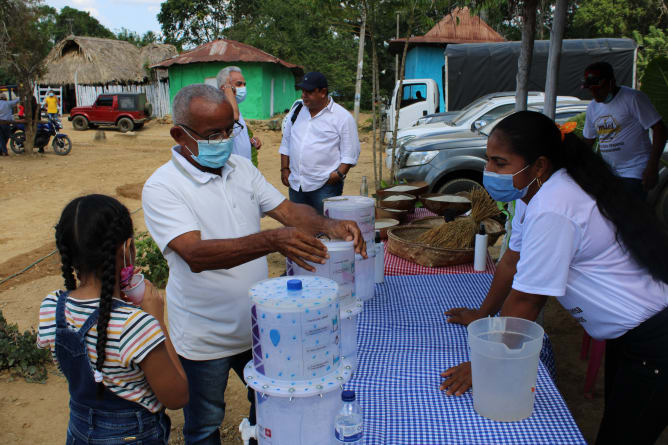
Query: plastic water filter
(297, 371)
(361, 210)
(340, 267)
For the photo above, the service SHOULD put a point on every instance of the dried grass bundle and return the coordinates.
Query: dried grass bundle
(460, 233)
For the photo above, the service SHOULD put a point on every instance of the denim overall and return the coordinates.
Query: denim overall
(110, 420)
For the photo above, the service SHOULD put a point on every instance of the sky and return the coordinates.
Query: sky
(136, 15)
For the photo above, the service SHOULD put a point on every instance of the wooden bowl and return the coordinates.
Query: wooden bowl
(445, 208)
(401, 241)
(382, 213)
(406, 203)
(418, 188)
(387, 223)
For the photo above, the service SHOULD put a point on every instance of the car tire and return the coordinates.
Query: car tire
(148, 109)
(125, 124)
(80, 123)
(458, 185)
(661, 206)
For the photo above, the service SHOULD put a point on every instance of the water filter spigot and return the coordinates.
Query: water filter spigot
(247, 431)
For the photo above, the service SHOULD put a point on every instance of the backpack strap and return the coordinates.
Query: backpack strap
(296, 111)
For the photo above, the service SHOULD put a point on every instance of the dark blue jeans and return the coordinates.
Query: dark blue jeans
(4, 138)
(207, 380)
(634, 186)
(315, 198)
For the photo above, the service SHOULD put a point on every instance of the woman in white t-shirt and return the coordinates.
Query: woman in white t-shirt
(579, 236)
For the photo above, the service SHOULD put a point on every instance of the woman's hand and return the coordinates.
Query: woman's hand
(458, 379)
(462, 315)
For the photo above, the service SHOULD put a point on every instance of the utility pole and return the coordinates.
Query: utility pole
(556, 39)
(396, 56)
(360, 64)
(69, 25)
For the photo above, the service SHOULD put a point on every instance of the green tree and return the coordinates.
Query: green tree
(615, 18)
(134, 38)
(22, 51)
(81, 23)
(188, 23)
(650, 46)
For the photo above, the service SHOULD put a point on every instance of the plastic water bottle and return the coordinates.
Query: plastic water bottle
(364, 188)
(348, 427)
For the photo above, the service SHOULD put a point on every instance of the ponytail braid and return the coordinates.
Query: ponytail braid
(66, 262)
(109, 279)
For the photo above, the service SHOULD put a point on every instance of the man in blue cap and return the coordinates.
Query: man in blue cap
(320, 144)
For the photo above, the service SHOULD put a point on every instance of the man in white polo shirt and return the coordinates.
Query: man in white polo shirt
(203, 209)
(320, 144)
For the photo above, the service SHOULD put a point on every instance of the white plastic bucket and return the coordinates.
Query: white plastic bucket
(365, 272)
(504, 365)
(340, 267)
(300, 421)
(349, 316)
(355, 208)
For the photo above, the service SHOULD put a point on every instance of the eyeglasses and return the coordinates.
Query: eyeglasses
(215, 137)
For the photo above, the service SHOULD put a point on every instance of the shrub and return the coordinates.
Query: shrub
(19, 353)
(150, 260)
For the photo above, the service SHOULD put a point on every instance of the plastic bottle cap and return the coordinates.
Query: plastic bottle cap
(348, 396)
(482, 229)
(294, 285)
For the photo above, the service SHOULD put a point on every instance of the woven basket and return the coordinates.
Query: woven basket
(493, 228)
(401, 242)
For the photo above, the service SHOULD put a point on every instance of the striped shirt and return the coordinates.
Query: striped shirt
(131, 335)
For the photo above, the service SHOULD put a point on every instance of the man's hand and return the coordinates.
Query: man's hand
(334, 178)
(257, 143)
(348, 231)
(299, 246)
(458, 379)
(462, 315)
(285, 174)
(650, 177)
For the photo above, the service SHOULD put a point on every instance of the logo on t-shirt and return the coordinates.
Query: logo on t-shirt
(607, 128)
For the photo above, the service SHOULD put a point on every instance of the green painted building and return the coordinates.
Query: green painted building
(270, 81)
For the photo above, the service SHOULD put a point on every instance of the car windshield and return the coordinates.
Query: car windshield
(466, 115)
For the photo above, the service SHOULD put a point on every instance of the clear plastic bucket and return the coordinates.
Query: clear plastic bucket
(504, 365)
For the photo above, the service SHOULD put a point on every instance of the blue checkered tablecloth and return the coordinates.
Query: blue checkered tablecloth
(405, 343)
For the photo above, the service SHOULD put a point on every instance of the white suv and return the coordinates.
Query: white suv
(476, 116)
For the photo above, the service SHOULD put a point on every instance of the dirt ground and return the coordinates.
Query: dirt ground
(33, 191)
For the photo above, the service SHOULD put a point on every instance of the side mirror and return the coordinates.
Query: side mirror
(424, 112)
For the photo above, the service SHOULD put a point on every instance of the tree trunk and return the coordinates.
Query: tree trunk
(393, 175)
(556, 39)
(374, 110)
(381, 129)
(26, 92)
(360, 64)
(526, 54)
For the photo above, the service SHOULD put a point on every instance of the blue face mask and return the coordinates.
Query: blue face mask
(212, 154)
(241, 94)
(500, 186)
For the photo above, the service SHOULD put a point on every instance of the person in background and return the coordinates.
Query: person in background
(320, 147)
(118, 358)
(231, 77)
(620, 117)
(203, 209)
(6, 116)
(52, 102)
(21, 114)
(580, 236)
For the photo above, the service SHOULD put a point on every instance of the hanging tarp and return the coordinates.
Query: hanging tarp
(476, 69)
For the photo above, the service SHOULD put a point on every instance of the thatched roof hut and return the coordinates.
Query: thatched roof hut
(96, 61)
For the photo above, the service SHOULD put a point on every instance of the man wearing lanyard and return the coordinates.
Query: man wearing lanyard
(232, 76)
(320, 144)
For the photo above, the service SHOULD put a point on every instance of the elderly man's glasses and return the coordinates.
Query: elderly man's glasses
(215, 137)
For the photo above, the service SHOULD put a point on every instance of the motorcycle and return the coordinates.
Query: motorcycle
(61, 143)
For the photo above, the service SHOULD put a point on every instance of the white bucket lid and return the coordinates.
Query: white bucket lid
(297, 388)
(349, 202)
(273, 293)
(338, 245)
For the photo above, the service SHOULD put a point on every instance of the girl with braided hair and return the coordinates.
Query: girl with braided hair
(581, 237)
(118, 359)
